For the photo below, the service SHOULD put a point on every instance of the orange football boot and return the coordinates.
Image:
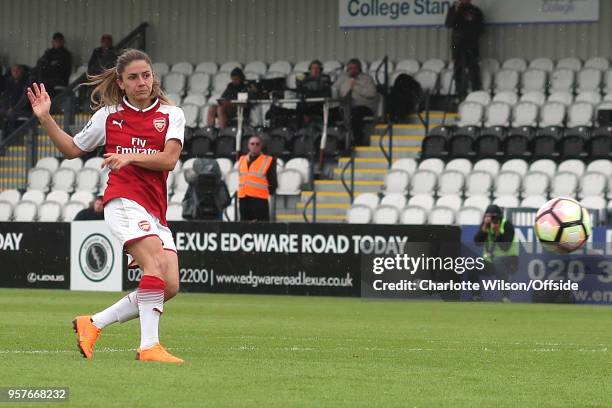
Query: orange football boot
(87, 335)
(157, 353)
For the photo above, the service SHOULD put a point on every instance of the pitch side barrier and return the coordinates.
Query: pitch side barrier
(371, 261)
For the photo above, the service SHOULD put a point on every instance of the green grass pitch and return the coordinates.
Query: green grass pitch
(277, 351)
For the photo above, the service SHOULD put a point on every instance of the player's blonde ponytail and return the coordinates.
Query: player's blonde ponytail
(106, 91)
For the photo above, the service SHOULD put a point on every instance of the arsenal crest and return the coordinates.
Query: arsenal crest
(159, 124)
(144, 225)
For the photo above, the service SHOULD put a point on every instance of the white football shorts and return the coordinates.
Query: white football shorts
(129, 222)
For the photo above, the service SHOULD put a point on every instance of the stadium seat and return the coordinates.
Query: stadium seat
(561, 96)
(573, 142)
(283, 67)
(453, 201)
(608, 82)
(506, 80)
(191, 115)
(447, 83)
(88, 179)
(302, 165)
(478, 183)
(225, 165)
(533, 80)
(174, 212)
(562, 79)
(359, 214)
(174, 98)
(592, 184)
(49, 211)
(425, 201)
(396, 181)
(477, 201)
(180, 184)
(414, 215)
(220, 81)
(103, 180)
(450, 182)
(177, 198)
(185, 68)
(406, 164)
(25, 211)
(516, 64)
(49, 163)
(207, 67)
(595, 203)
(423, 181)
(507, 201)
(232, 180)
(519, 166)
(580, 114)
(396, 200)
(589, 79)
(229, 66)
(464, 166)
(535, 201)
(498, 114)
(461, 143)
(84, 197)
(575, 166)
(552, 114)
(161, 68)
(174, 83)
(381, 72)
(482, 97)
(303, 143)
(441, 216)
(470, 114)
(225, 144)
(434, 64)
(200, 143)
(490, 166)
(435, 165)
(600, 143)
(490, 65)
(435, 143)
(289, 182)
(386, 214)
(535, 183)
(601, 166)
(199, 83)
(509, 97)
(600, 63)
(545, 166)
(507, 183)
(57, 196)
(302, 67)
(427, 79)
(525, 114)
(545, 142)
(10, 196)
(570, 63)
(6, 210)
(564, 184)
(409, 66)
(257, 67)
(469, 216)
(544, 64)
(36, 196)
(75, 164)
(592, 97)
(369, 200)
(489, 141)
(537, 97)
(39, 179)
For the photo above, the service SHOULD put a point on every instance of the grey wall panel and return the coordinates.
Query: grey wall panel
(246, 30)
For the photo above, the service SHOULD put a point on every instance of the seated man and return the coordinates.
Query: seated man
(314, 85)
(226, 110)
(13, 104)
(95, 211)
(55, 66)
(361, 89)
(103, 57)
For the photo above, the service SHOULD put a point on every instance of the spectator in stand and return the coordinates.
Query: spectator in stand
(95, 211)
(361, 90)
(257, 182)
(55, 66)
(103, 57)
(13, 103)
(467, 23)
(315, 84)
(225, 109)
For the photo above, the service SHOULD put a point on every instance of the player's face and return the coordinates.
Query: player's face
(137, 81)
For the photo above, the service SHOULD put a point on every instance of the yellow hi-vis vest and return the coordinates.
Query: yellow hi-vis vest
(253, 181)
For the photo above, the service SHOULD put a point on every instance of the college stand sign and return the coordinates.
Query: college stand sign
(96, 257)
(393, 13)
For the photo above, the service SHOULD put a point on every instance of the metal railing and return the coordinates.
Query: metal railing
(26, 136)
(312, 199)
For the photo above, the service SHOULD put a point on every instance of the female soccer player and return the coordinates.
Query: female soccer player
(142, 134)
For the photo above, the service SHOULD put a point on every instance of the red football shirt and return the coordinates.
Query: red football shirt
(126, 129)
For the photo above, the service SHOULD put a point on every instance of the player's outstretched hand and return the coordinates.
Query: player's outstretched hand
(116, 161)
(39, 99)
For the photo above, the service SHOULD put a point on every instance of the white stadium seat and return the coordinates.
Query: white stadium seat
(83, 197)
(49, 211)
(562, 80)
(592, 97)
(490, 65)
(434, 64)
(425, 201)
(410, 66)
(229, 66)
(174, 83)
(519, 166)
(39, 179)
(535, 183)
(197, 99)
(575, 166)
(535, 201)
(407, 164)
(370, 200)
(464, 166)
(544, 64)
(302, 67)
(477, 201)
(469, 216)
(414, 215)
(509, 97)
(396, 200)
(490, 166)
(396, 181)
(199, 83)
(552, 114)
(600, 63)
(178, 197)
(161, 68)
(525, 114)
(516, 64)
(447, 82)
(191, 115)
(300, 164)
(6, 210)
(441, 216)
(506, 80)
(451, 182)
(507, 201)
(36, 196)
(571, 63)
(478, 183)
(174, 212)
(592, 184)
(507, 183)
(206, 67)
(75, 164)
(185, 68)
(225, 165)
(533, 80)
(25, 211)
(602, 166)
(232, 180)
(451, 201)
(545, 166)
(220, 81)
(88, 179)
(49, 163)
(289, 182)
(564, 184)
(386, 214)
(498, 114)
(470, 114)
(580, 114)
(283, 67)
(257, 67)
(359, 214)
(537, 97)
(482, 97)
(58, 196)
(423, 181)
(11, 196)
(94, 163)
(433, 164)
(563, 97)
(589, 79)
(428, 79)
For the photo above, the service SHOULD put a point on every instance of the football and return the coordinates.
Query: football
(562, 225)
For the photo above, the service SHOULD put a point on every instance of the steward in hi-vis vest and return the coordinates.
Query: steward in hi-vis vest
(257, 181)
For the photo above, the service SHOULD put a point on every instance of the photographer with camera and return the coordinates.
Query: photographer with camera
(500, 252)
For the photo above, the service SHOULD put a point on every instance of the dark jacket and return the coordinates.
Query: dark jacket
(315, 87)
(55, 66)
(12, 93)
(231, 92)
(503, 240)
(100, 60)
(89, 214)
(467, 23)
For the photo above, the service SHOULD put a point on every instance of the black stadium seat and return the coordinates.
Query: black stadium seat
(461, 144)
(517, 142)
(489, 142)
(435, 143)
(200, 141)
(600, 143)
(302, 144)
(545, 142)
(573, 143)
